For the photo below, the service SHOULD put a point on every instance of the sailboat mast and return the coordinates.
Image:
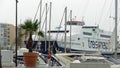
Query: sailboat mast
(65, 28)
(116, 12)
(70, 28)
(40, 13)
(50, 23)
(46, 29)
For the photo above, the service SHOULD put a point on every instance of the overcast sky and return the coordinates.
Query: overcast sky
(93, 12)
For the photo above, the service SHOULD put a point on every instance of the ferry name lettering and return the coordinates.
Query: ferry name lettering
(96, 44)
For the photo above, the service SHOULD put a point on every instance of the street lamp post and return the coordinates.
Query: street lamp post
(16, 33)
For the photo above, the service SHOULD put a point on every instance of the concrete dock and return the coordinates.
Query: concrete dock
(39, 66)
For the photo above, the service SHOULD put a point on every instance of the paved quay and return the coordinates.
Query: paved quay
(40, 66)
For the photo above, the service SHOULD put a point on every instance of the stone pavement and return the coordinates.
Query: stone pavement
(39, 66)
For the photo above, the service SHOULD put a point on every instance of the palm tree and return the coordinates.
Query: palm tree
(30, 27)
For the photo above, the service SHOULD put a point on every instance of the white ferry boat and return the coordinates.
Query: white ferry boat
(79, 37)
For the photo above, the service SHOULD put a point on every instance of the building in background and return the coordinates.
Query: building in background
(7, 35)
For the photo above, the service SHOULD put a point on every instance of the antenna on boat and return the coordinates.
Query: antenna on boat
(83, 18)
(116, 10)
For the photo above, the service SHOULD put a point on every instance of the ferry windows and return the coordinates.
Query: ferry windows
(105, 36)
(87, 33)
(75, 23)
(93, 29)
(78, 38)
(70, 23)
